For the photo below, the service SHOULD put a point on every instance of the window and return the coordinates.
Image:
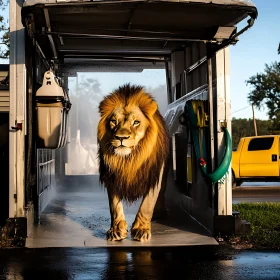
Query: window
(260, 144)
(86, 90)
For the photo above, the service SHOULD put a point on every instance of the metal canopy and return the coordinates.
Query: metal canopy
(102, 30)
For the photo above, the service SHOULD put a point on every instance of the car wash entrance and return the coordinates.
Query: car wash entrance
(67, 45)
(78, 213)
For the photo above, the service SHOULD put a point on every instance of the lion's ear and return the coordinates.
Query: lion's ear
(149, 107)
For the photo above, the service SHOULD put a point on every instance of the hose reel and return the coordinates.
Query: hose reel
(198, 121)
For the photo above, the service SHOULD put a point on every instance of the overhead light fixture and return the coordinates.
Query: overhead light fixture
(224, 32)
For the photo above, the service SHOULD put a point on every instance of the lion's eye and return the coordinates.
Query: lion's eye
(113, 122)
(135, 123)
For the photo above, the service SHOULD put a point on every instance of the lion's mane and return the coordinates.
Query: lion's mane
(131, 177)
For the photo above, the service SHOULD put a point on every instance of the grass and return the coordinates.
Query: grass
(265, 223)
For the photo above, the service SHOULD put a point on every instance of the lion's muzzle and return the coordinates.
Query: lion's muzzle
(121, 138)
(122, 145)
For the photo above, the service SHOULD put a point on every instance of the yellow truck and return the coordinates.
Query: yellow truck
(256, 159)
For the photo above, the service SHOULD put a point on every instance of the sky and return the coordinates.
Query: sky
(256, 47)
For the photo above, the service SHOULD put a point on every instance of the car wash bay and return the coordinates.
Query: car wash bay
(74, 209)
(55, 40)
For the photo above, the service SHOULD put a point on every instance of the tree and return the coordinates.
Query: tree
(4, 32)
(245, 127)
(85, 95)
(266, 91)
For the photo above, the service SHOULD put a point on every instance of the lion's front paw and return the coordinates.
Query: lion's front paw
(117, 232)
(141, 234)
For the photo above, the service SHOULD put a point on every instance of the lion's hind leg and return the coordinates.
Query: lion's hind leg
(118, 230)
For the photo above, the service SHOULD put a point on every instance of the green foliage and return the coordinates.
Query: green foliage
(265, 222)
(245, 127)
(265, 91)
(4, 32)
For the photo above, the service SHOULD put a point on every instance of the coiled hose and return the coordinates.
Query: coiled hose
(222, 169)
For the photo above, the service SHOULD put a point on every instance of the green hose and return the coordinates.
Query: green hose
(222, 169)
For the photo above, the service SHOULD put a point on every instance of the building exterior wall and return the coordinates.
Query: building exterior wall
(187, 187)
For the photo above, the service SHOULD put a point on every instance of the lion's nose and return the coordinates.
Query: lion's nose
(121, 138)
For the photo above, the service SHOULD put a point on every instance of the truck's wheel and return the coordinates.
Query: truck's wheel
(233, 180)
(238, 183)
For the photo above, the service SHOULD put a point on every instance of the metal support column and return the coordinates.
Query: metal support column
(224, 119)
(17, 112)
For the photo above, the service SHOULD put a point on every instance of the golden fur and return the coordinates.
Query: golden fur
(133, 175)
(133, 148)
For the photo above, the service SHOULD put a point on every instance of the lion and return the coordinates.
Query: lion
(133, 148)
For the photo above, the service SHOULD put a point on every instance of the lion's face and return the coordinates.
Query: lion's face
(127, 127)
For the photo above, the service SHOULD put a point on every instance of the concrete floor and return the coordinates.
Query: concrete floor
(80, 218)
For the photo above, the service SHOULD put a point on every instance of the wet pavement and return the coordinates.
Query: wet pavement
(81, 218)
(256, 192)
(70, 243)
(137, 263)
